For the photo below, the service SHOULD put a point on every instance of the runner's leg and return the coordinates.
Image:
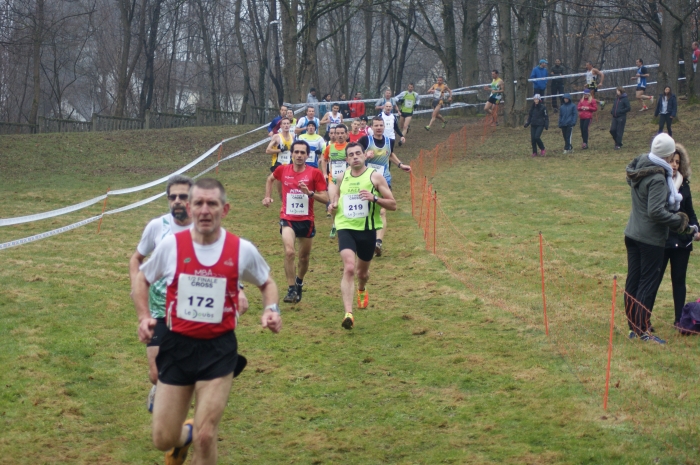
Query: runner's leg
(347, 284)
(288, 239)
(210, 401)
(151, 354)
(380, 232)
(406, 124)
(169, 413)
(362, 269)
(305, 244)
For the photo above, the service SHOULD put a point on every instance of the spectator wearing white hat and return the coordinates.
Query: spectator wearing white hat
(538, 120)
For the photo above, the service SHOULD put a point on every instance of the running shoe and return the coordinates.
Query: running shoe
(332, 234)
(534, 154)
(444, 123)
(408, 128)
(362, 298)
(584, 146)
(427, 128)
(378, 249)
(328, 215)
(151, 399)
(644, 109)
(632, 335)
(542, 153)
(291, 295)
(617, 147)
(177, 455)
(348, 321)
(647, 337)
(602, 103)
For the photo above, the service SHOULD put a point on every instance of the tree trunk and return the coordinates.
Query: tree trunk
(146, 96)
(170, 102)
(529, 21)
(505, 43)
(277, 77)
(470, 42)
(244, 60)
(368, 45)
(450, 58)
(691, 78)
(404, 47)
(288, 16)
(37, 39)
(206, 42)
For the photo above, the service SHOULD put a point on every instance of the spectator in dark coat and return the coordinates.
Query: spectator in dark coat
(568, 115)
(619, 110)
(344, 108)
(666, 108)
(679, 246)
(655, 201)
(539, 120)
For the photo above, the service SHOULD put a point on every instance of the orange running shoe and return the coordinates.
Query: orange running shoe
(177, 455)
(362, 298)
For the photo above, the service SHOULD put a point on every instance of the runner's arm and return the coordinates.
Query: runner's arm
(602, 76)
(398, 163)
(387, 198)
(270, 150)
(135, 263)
(334, 191)
(267, 200)
(140, 297)
(270, 296)
(325, 118)
(397, 129)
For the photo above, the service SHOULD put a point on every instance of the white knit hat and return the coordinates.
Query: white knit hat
(663, 145)
(537, 96)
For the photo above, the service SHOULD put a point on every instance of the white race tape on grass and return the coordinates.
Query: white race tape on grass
(70, 227)
(128, 190)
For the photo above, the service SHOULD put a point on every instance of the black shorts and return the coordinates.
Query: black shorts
(592, 86)
(406, 115)
(160, 330)
(436, 102)
(184, 360)
(493, 100)
(274, 167)
(301, 228)
(641, 88)
(360, 242)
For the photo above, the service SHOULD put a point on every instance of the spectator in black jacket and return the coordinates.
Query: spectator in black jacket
(538, 119)
(666, 108)
(620, 108)
(344, 107)
(679, 246)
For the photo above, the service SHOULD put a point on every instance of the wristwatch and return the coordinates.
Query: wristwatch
(312, 193)
(273, 307)
(375, 199)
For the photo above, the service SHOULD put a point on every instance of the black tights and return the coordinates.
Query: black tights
(536, 138)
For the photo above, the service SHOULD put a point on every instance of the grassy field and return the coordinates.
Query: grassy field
(450, 362)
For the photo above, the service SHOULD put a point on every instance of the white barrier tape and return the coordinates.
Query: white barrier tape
(50, 214)
(44, 235)
(128, 190)
(607, 89)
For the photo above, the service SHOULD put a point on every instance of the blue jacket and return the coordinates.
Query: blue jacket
(672, 106)
(538, 72)
(568, 113)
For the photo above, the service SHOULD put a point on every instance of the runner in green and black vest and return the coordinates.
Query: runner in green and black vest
(408, 99)
(356, 198)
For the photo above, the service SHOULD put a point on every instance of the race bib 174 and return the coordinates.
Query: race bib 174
(297, 204)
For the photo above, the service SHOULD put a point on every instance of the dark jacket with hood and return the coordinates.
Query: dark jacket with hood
(650, 218)
(671, 108)
(677, 241)
(620, 106)
(568, 113)
(538, 116)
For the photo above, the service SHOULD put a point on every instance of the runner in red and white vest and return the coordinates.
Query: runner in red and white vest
(202, 268)
(301, 185)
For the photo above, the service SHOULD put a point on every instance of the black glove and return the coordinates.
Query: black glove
(684, 224)
(546, 128)
(526, 125)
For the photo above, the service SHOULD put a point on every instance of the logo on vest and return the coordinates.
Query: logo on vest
(187, 260)
(203, 273)
(228, 262)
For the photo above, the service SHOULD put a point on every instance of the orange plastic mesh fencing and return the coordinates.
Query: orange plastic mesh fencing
(651, 386)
